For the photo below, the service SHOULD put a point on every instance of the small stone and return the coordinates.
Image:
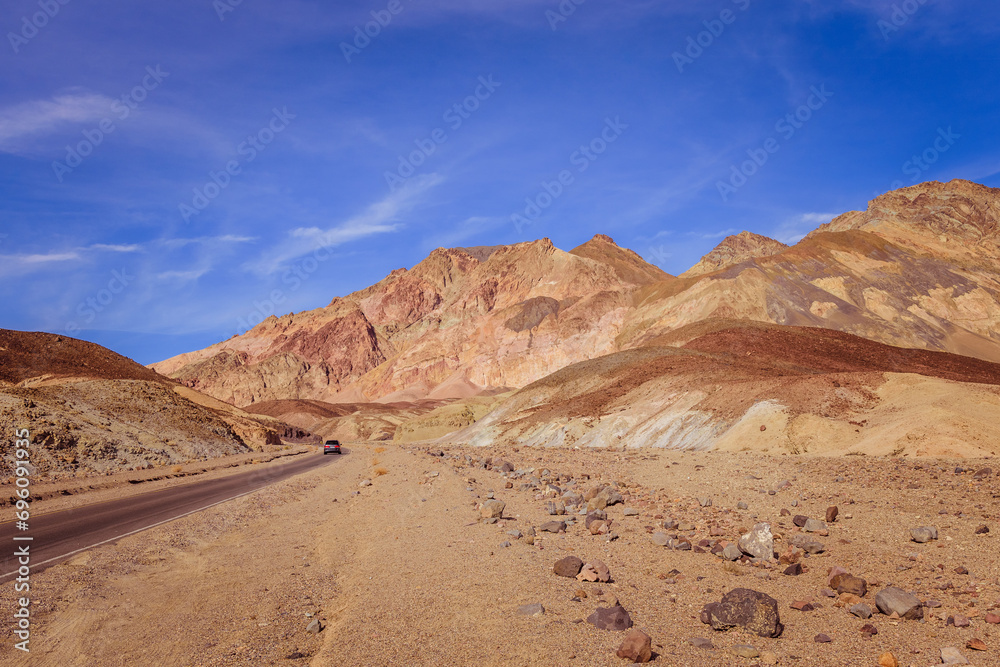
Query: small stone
(701, 642)
(822, 639)
(492, 509)
(887, 660)
(636, 647)
(784, 512)
(731, 552)
(516, 534)
(553, 527)
(802, 605)
(831, 514)
(848, 583)
(992, 619)
(660, 539)
(869, 630)
(569, 566)
(958, 621)
(814, 526)
(742, 505)
(505, 544)
(758, 543)
(861, 610)
(951, 656)
(314, 627)
(630, 511)
(800, 520)
(365, 482)
(976, 644)
(793, 570)
(983, 473)
(555, 508)
(530, 610)
(895, 600)
(768, 658)
(923, 534)
(982, 530)
(610, 618)
(745, 651)
(705, 502)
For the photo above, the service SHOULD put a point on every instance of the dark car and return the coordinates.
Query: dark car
(331, 447)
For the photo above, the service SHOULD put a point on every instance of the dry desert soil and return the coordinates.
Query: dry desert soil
(405, 571)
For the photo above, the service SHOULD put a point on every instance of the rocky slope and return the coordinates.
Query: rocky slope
(742, 247)
(759, 387)
(90, 410)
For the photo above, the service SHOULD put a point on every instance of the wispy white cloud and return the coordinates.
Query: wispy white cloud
(795, 229)
(379, 218)
(714, 235)
(112, 247)
(35, 118)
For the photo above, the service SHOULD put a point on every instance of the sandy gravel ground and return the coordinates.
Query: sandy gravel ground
(402, 572)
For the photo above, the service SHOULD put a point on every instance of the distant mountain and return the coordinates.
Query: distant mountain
(918, 269)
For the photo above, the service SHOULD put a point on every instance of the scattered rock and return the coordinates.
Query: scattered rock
(365, 482)
(630, 511)
(555, 508)
(923, 534)
(314, 627)
(530, 610)
(831, 514)
(822, 639)
(814, 526)
(759, 542)
(701, 642)
(742, 505)
(983, 473)
(553, 527)
(958, 621)
(660, 539)
(705, 502)
(848, 583)
(976, 644)
(992, 619)
(492, 509)
(982, 530)
(569, 566)
(610, 618)
(793, 570)
(861, 610)
(801, 605)
(887, 660)
(951, 656)
(731, 552)
(869, 630)
(745, 651)
(800, 520)
(636, 647)
(894, 600)
(746, 608)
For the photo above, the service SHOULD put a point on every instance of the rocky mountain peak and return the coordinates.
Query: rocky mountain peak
(734, 250)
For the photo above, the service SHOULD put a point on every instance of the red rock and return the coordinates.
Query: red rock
(822, 639)
(637, 646)
(869, 629)
(802, 605)
(569, 566)
(831, 514)
(992, 619)
(976, 644)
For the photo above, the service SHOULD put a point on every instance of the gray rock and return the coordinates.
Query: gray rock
(759, 542)
(630, 511)
(861, 610)
(705, 502)
(745, 651)
(701, 642)
(610, 618)
(504, 544)
(660, 539)
(314, 627)
(516, 534)
(814, 526)
(951, 656)
(553, 527)
(731, 552)
(492, 509)
(923, 534)
(555, 508)
(530, 610)
(741, 505)
(897, 600)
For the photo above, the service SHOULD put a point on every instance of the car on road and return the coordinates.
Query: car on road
(331, 447)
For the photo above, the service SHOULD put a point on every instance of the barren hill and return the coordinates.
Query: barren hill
(759, 387)
(92, 410)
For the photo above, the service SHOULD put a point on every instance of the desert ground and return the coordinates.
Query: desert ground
(389, 550)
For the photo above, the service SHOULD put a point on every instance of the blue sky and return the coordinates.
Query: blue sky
(172, 172)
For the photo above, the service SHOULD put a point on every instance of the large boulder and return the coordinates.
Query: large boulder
(741, 607)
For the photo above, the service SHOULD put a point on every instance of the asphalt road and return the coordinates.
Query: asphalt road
(60, 535)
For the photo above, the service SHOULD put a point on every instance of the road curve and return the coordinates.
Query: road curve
(60, 535)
